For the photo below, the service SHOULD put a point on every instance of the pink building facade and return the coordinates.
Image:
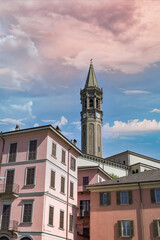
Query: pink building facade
(38, 186)
(86, 176)
(126, 208)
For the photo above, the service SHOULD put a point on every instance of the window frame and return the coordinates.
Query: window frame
(108, 198)
(54, 179)
(55, 156)
(121, 199)
(71, 223)
(35, 139)
(26, 172)
(72, 197)
(29, 201)
(60, 220)
(64, 162)
(130, 228)
(51, 225)
(61, 185)
(9, 152)
(84, 178)
(73, 168)
(154, 195)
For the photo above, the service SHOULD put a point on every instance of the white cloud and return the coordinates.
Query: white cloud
(156, 110)
(12, 121)
(130, 92)
(78, 125)
(36, 125)
(49, 121)
(132, 127)
(62, 122)
(26, 107)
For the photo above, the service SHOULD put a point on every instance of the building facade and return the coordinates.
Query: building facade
(127, 207)
(38, 186)
(91, 116)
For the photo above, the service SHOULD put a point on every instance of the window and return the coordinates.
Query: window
(62, 185)
(85, 208)
(12, 152)
(61, 221)
(71, 223)
(30, 176)
(27, 212)
(86, 232)
(155, 195)
(52, 182)
(97, 103)
(125, 228)
(51, 212)
(71, 189)
(63, 156)
(32, 150)
(105, 198)
(156, 227)
(54, 146)
(91, 103)
(124, 198)
(85, 181)
(73, 164)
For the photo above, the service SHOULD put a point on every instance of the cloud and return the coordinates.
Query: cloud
(156, 110)
(12, 121)
(62, 122)
(26, 107)
(48, 121)
(132, 92)
(131, 128)
(77, 124)
(36, 125)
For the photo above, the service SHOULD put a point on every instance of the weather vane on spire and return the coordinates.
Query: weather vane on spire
(91, 61)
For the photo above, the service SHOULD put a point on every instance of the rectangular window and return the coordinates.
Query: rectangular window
(71, 189)
(54, 146)
(124, 198)
(86, 232)
(85, 181)
(61, 221)
(32, 150)
(27, 212)
(63, 156)
(125, 228)
(73, 164)
(12, 152)
(30, 176)
(156, 227)
(62, 185)
(105, 198)
(155, 195)
(52, 182)
(85, 208)
(51, 212)
(71, 223)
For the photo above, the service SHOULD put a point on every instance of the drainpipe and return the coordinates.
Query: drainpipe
(141, 212)
(67, 195)
(1, 135)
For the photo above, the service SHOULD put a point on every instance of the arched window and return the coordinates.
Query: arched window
(25, 238)
(4, 238)
(91, 103)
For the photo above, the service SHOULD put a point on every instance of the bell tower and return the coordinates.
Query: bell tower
(91, 115)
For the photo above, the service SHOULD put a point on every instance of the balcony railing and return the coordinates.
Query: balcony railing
(9, 225)
(9, 189)
(84, 213)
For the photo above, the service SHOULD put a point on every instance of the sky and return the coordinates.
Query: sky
(45, 52)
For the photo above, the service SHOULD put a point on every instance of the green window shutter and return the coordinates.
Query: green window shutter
(118, 198)
(155, 228)
(108, 198)
(119, 228)
(130, 197)
(132, 228)
(153, 199)
(101, 198)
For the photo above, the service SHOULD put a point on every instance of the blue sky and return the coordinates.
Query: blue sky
(45, 51)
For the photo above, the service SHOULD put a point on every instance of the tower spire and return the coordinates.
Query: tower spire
(91, 80)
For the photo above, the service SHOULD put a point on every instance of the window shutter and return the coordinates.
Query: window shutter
(51, 215)
(62, 184)
(30, 176)
(101, 198)
(12, 152)
(155, 228)
(130, 197)
(118, 198)
(71, 189)
(153, 199)
(108, 198)
(119, 228)
(132, 228)
(54, 149)
(32, 150)
(52, 179)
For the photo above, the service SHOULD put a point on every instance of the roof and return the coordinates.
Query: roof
(85, 168)
(143, 177)
(91, 78)
(133, 153)
(49, 127)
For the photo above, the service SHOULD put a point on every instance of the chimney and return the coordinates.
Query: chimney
(17, 127)
(58, 129)
(75, 142)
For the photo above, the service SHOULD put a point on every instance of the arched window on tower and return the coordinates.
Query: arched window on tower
(97, 103)
(91, 103)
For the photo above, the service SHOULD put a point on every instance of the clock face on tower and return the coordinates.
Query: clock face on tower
(98, 115)
(84, 115)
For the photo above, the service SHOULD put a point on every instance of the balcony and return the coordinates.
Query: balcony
(84, 213)
(9, 225)
(9, 191)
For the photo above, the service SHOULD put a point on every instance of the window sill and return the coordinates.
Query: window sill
(53, 188)
(73, 169)
(71, 197)
(54, 156)
(63, 163)
(62, 229)
(49, 225)
(28, 186)
(63, 193)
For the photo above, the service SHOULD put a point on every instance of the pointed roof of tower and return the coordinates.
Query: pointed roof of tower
(91, 78)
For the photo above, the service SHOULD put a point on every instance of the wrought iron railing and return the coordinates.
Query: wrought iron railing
(8, 189)
(7, 225)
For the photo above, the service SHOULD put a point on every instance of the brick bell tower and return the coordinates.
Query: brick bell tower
(91, 115)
